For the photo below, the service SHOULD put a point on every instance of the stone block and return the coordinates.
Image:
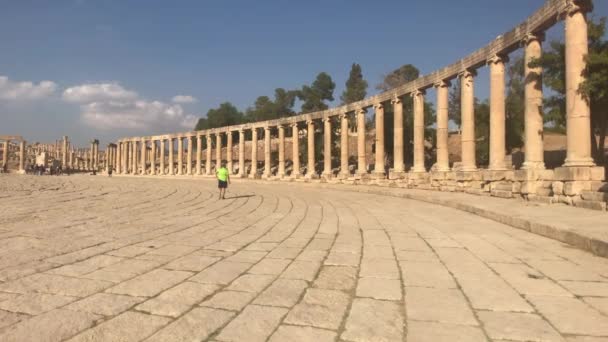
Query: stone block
(528, 187)
(595, 205)
(516, 186)
(576, 187)
(565, 199)
(542, 191)
(594, 196)
(558, 188)
(573, 173)
(599, 186)
(502, 193)
(504, 186)
(526, 175)
(540, 199)
(597, 173)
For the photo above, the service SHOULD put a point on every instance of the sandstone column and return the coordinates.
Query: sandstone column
(171, 161)
(533, 113)
(144, 154)
(153, 157)
(497, 112)
(398, 165)
(281, 171)
(5, 154)
(118, 157)
(361, 162)
(443, 163)
(242, 172)
(64, 156)
(218, 151)
(327, 147)
(379, 163)
(134, 158)
(189, 156)
(295, 147)
(267, 162)
(229, 151)
(254, 152)
(199, 153)
(208, 153)
(310, 170)
(162, 156)
(418, 96)
(578, 115)
(344, 171)
(180, 155)
(467, 110)
(91, 161)
(22, 156)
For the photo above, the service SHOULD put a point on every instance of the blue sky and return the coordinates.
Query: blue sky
(114, 67)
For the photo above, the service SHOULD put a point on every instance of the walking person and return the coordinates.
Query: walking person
(223, 179)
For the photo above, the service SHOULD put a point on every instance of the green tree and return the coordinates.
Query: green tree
(356, 86)
(314, 96)
(514, 104)
(225, 115)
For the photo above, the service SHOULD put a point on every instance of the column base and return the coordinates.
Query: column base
(582, 162)
(344, 175)
(378, 175)
(397, 174)
(311, 176)
(533, 165)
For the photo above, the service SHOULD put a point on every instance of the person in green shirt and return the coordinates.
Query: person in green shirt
(223, 179)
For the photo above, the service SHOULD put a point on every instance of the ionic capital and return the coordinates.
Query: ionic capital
(326, 119)
(574, 6)
(343, 115)
(468, 74)
(498, 59)
(378, 106)
(418, 92)
(360, 111)
(533, 37)
(294, 125)
(396, 100)
(443, 84)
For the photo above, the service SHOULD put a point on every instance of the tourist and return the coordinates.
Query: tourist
(223, 179)
(110, 172)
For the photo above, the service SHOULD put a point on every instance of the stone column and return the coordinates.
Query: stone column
(361, 162)
(443, 162)
(118, 157)
(5, 154)
(91, 161)
(208, 161)
(295, 147)
(180, 155)
(144, 154)
(327, 147)
(242, 172)
(344, 171)
(418, 97)
(533, 113)
(467, 110)
(398, 164)
(189, 156)
(267, 161)
(22, 156)
(171, 162)
(134, 158)
(64, 156)
(229, 151)
(311, 173)
(199, 153)
(162, 156)
(497, 113)
(218, 151)
(379, 163)
(578, 115)
(153, 157)
(281, 172)
(254, 152)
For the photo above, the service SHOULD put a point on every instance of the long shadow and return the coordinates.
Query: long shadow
(240, 196)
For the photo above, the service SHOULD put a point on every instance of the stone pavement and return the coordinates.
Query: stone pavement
(86, 258)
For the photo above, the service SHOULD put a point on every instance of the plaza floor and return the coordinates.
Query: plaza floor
(91, 258)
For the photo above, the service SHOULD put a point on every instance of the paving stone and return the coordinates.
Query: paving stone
(388, 289)
(105, 304)
(517, 326)
(565, 270)
(600, 304)
(284, 253)
(374, 320)
(178, 299)
(438, 305)
(9, 318)
(342, 259)
(440, 332)
(35, 303)
(528, 281)
(302, 334)
(319, 308)
(229, 300)
(55, 284)
(196, 325)
(270, 266)
(311, 255)
(585, 288)
(132, 266)
(247, 256)
(251, 283)
(565, 314)
(403, 255)
(426, 274)
(379, 268)
(255, 323)
(150, 284)
(336, 278)
(222, 273)
(126, 327)
(55, 325)
(301, 270)
(193, 263)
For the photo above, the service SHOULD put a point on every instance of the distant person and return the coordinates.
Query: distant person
(110, 172)
(223, 179)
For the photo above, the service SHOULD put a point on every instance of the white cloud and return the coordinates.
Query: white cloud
(110, 106)
(184, 99)
(10, 90)
(93, 92)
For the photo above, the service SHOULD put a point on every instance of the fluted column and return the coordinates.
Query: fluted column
(254, 152)
(327, 147)
(361, 167)
(208, 160)
(144, 154)
(310, 173)
(578, 114)
(180, 155)
(189, 156)
(199, 153)
(267, 161)
(171, 161)
(242, 172)
(443, 162)
(162, 156)
(229, 151)
(281, 171)
(295, 147)
(467, 110)
(218, 151)
(344, 171)
(22, 156)
(418, 96)
(379, 163)
(153, 157)
(533, 112)
(398, 164)
(497, 112)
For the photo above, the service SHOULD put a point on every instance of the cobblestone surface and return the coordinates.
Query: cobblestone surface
(87, 258)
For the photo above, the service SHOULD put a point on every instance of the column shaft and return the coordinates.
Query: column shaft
(327, 147)
(218, 151)
(533, 113)
(497, 113)
(267, 162)
(254, 152)
(171, 161)
(208, 155)
(443, 163)
(281, 172)
(144, 154)
(229, 151)
(22, 156)
(153, 157)
(311, 149)
(467, 110)
(295, 147)
(162, 157)
(379, 163)
(242, 172)
(418, 131)
(361, 161)
(180, 155)
(189, 156)
(398, 164)
(344, 171)
(199, 153)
